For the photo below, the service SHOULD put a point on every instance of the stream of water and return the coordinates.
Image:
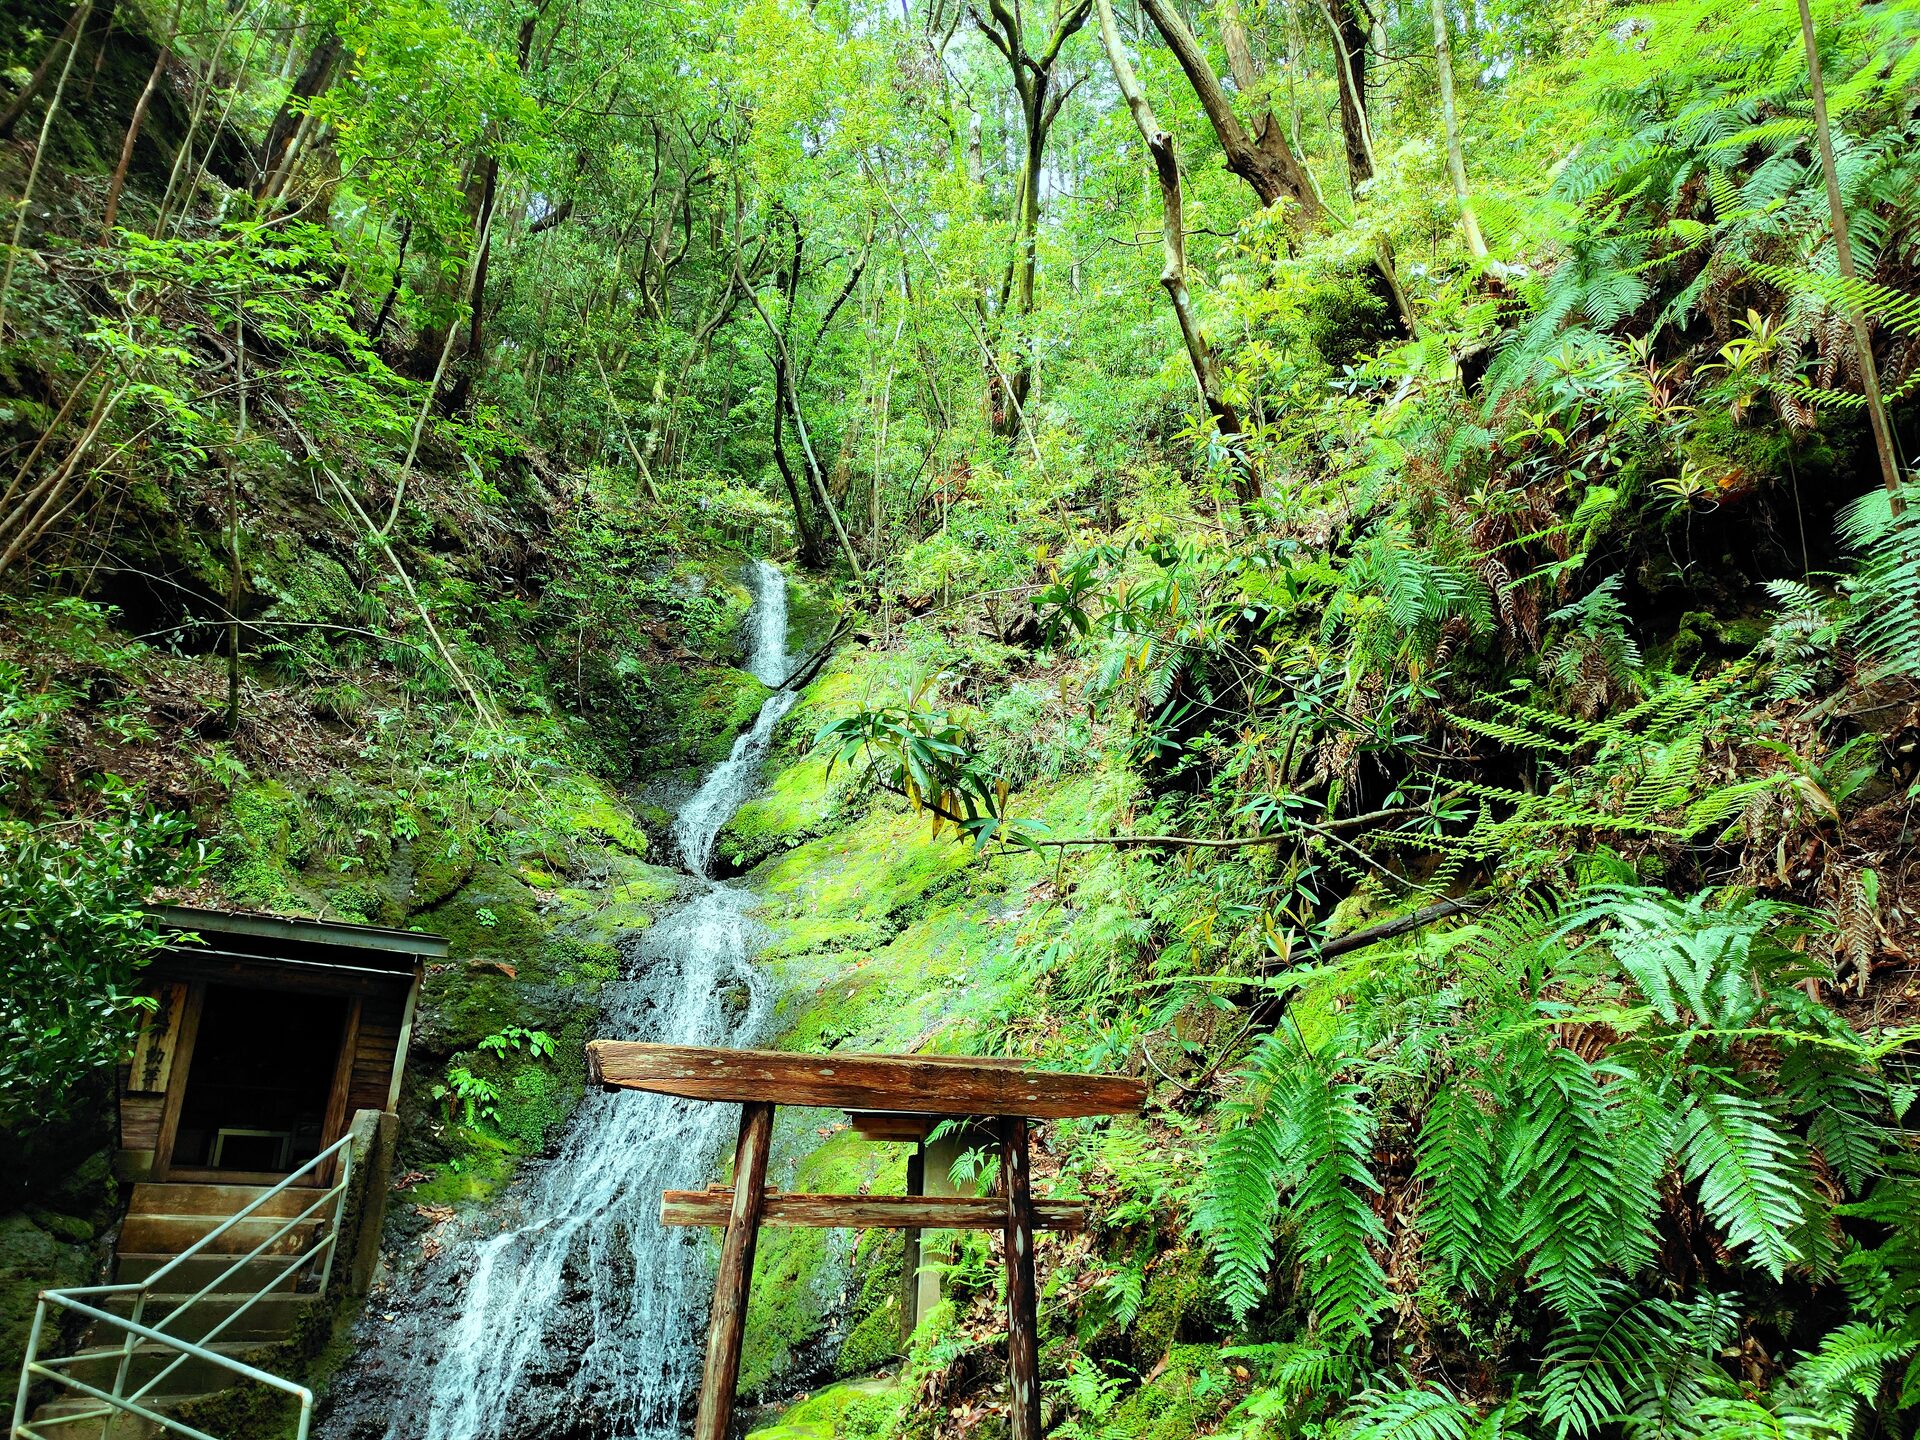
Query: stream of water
(580, 1315)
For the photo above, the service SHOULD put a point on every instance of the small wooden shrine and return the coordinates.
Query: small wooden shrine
(265, 1036)
(887, 1097)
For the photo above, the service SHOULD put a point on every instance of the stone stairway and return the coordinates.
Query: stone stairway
(163, 1221)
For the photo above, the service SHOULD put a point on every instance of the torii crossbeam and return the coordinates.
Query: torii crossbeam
(918, 1089)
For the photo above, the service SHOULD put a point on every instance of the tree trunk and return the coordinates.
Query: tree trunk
(393, 285)
(809, 538)
(1456, 162)
(1033, 86)
(1264, 160)
(1173, 275)
(163, 53)
(291, 122)
(1843, 253)
(1350, 61)
(462, 386)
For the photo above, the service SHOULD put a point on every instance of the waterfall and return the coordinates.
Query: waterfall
(580, 1315)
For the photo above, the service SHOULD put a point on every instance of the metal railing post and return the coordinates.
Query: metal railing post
(339, 1211)
(126, 1361)
(26, 1365)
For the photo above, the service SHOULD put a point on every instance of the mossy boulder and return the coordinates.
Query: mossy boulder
(796, 805)
(1184, 1399)
(856, 1410)
(817, 1293)
(35, 1256)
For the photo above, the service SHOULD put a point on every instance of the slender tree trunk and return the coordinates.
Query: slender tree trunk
(66, 41)
(25, 202)
(1173, 274)
(233, 528)
(462, 386)
(292, 122)
(1241, 62)
(393, 285)
(1350, 61)
(164, 53)
(1450, 118)
(472, 360)
(808, 537)
(1843, 253)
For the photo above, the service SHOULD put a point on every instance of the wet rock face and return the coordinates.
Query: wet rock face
(563, 1310)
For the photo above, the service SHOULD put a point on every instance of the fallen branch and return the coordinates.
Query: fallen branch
(1267, 1013)
(1231, 842)
(808, 668)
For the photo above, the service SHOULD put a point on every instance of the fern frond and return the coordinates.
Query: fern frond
(1749, 1175)
(1457, 1166)
(1595, 1370)
(1886, 591)
(1333, 1139)
(1415, 1414)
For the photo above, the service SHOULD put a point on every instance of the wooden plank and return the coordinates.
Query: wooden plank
(152, 1065)
(177, 1081)
(222, 1200)
(921, 1085)
(265, 973)
(170, 1234)
(868, 1212)
(335, 1124)
(140, 1121)
(728, 1323)
(1023, 1310)
(406, 1037)
(889, 1128)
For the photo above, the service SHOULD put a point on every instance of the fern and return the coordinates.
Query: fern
(1333, 1133)
(1829, 1078)
(1693, 959)
(1885, 592)
(1849, 1369)
(1296, 1124)
(1415, 1414)
(1644, 1361)
(1239, 1195)
(1559, 1153)
(1595, 1369)
(1748, 1175)
(1457, 1166)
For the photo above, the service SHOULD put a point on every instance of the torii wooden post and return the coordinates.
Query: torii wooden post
(915, 1089)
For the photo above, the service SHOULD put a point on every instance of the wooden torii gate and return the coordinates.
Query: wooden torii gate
(871, 1088)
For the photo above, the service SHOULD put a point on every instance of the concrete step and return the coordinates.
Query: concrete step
(270, 1317)
(171, 1234)
(53, 1421)
(131, 1266)
(153, 1198)
(193, 1376)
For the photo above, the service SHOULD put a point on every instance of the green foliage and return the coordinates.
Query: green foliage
(927, 756)
(76, 936)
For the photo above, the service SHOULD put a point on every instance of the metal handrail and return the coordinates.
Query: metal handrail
(79, 1300)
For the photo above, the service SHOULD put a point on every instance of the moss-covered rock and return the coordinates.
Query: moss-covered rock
(797, 804)
(855, 1410)
(1184, 1399)
(816, 1292)
(36, 1256)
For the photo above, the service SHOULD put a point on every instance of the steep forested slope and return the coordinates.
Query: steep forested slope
(1372, 580)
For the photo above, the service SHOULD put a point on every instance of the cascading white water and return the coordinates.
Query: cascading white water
(582, 1315)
